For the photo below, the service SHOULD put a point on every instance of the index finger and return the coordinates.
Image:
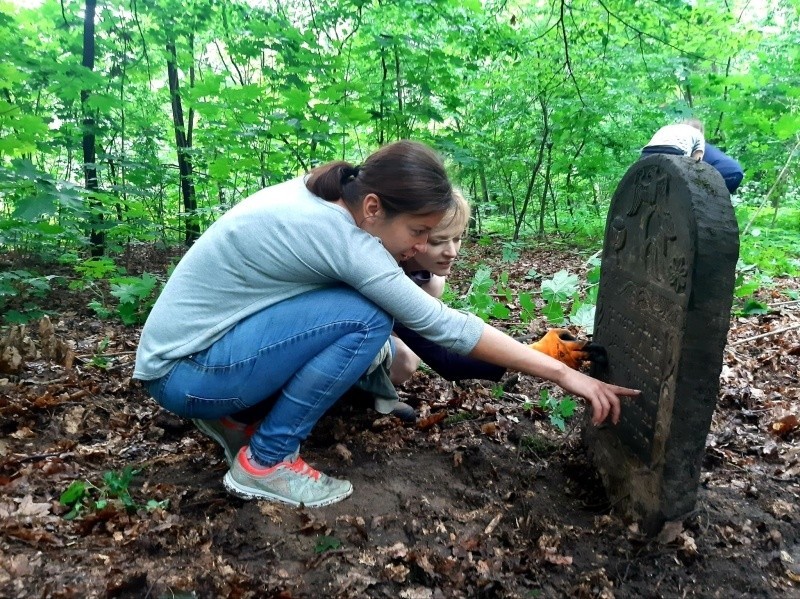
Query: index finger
(625, 391)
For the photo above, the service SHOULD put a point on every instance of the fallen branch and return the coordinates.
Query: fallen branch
(105, 354)
(762, 335)
(784, 303)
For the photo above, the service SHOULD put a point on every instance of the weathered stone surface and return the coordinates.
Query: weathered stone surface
(663, 311)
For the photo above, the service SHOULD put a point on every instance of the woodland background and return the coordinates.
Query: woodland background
(142, 121)
(127, 127)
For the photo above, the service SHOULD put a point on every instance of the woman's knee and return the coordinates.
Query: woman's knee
(404, 364)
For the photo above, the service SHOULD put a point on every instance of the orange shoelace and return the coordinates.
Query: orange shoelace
(298, 465)
(301, 467)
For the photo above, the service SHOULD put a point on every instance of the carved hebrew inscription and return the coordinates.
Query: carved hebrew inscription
(640, 312)
(646, 348)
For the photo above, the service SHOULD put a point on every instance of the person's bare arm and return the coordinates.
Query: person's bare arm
(698, 155)
(498, 348)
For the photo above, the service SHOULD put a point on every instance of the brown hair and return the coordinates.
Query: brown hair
(407, 176)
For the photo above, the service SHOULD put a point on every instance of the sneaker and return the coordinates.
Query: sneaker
(231, 435)
(404, 412)
(291, 481)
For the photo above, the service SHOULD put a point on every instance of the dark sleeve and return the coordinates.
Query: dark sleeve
(447, 364)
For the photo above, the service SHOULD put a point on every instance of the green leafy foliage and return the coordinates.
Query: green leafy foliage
(557, 292)
(274, 89)
(136, 296)
(558, 410)
(561, 287)
(479, 299)
(133, 296)
(113, 492)
(749, 281)
(25, 290)
(582, 315)
(98, 359)
(326, 543)
(511, 251)
(527, 307)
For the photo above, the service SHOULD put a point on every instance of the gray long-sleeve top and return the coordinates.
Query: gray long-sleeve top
(278, 243)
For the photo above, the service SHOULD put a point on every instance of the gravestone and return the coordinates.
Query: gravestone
(663, 311)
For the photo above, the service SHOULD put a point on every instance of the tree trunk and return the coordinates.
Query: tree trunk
(548, 186)
(183, 146)
(534, 173)
(96, 236)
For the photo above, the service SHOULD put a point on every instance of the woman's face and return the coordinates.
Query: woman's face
(443, 247)
(405, 235)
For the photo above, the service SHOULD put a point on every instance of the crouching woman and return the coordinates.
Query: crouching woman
(289, 298)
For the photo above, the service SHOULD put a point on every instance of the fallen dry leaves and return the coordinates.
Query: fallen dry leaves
(497, 504)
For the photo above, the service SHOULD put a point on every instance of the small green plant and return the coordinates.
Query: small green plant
(136, 297)
(325, 543)
(593, 280)
(98, 359)
(511, 251)
(749, 281)
(91, 273)
(558, 410)
(93, 269)
(556, 292)
(527, 307)
(498, 391)
(560, 288)
(582, 315)
(479, 299)
(82, 496)
(532, 275)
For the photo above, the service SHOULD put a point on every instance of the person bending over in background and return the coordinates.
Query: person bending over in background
(291, 295)
(680, 139)
(731, 171)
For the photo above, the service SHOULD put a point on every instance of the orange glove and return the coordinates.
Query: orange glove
(561, 345)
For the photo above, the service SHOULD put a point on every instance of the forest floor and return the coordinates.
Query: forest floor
(483, 497)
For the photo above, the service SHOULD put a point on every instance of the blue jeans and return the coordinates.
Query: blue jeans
(307, 351)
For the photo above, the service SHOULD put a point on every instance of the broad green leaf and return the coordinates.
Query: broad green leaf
(220, 167)
(554, 312)
(753, 307)
(33, 207)
(566, 407)
(787, 126)
(561, 287)
(583, 317)
(73, 493)
(746, 289)
(500, 311)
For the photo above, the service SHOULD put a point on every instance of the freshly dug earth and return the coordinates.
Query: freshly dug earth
(483, 497)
